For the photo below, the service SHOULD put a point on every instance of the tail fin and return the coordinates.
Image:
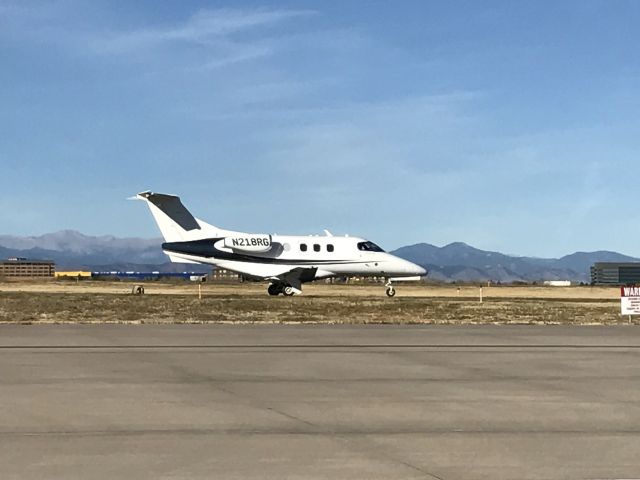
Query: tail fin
(175, 222)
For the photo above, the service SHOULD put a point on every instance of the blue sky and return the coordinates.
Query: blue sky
(512, 126)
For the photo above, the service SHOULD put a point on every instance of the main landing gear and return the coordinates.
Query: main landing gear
(276, 289)
(390, 290)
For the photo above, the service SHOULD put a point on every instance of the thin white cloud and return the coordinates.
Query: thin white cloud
(206, 40)
(238, 53)
(203, 28)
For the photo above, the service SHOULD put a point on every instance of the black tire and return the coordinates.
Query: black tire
(274, 289)
(391, 291)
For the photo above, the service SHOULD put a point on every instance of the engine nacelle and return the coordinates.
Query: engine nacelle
(248, 243)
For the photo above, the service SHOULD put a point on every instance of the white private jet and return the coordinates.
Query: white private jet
(285, 261)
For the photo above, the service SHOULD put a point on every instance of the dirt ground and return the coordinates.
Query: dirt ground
(112, 302)
(318, 289)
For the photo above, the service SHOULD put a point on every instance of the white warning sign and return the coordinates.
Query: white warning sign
(630, 300)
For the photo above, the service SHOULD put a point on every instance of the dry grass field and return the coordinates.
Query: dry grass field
(112, 302)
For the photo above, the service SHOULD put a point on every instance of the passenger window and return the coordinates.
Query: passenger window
(316, 247)
(329, 248)
(303, 247)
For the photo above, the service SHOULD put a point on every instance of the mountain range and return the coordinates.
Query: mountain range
(464, 263)
(71, 250)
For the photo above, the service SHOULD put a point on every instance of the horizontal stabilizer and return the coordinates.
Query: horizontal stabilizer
(175, 259)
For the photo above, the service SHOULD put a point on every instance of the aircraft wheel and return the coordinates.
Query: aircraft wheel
(391, 291)
(274, 289)
(288, 291)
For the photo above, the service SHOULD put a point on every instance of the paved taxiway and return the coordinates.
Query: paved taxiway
(333, 402)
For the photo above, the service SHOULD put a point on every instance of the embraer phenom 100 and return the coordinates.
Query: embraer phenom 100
(285, 261)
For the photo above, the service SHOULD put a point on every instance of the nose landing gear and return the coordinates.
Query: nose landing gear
(390, 290)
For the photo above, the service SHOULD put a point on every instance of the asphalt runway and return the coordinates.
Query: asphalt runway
(396, 402)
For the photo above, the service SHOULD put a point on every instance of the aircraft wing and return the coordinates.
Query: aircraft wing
(296, 276)
(288, 274)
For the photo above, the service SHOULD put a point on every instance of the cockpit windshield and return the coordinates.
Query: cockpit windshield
(369, 247)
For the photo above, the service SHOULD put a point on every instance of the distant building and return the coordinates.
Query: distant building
(218, 274)
(615, 273)
(557, 283)
(73, 274)
(222, 275)
(19, 267)
(131, 275)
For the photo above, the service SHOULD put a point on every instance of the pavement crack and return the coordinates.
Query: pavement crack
(418, 469)
(292, 417)
(366, 445)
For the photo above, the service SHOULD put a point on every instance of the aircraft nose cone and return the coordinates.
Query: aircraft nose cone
(414, 269)
(404, 268)
(411, 268)
(420, 271)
